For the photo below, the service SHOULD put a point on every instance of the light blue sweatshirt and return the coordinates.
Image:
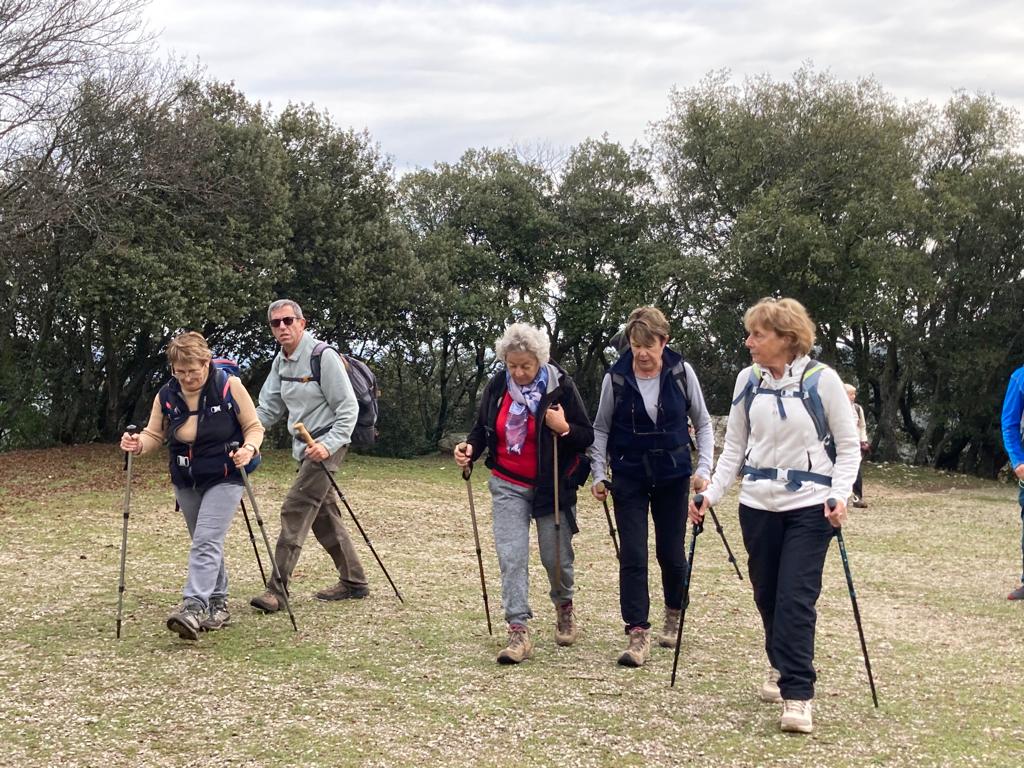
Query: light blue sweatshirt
(331, 403)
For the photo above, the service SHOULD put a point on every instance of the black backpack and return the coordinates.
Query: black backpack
(363, 382)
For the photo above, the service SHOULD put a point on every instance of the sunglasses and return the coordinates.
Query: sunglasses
(276, 322)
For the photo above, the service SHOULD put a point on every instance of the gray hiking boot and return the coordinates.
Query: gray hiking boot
(342, 591)
(217, 617)
(519, 647)
(187, 620)
(668, 636)
(639, 648)
(566, 630)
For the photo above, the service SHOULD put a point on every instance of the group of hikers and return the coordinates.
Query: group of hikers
(792, 438)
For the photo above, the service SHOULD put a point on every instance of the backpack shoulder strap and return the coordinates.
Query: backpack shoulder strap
(748, 392)
(812, 398)
(679, 374)
(316, 354)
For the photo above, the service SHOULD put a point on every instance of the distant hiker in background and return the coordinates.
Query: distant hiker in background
(865, 447)
(1013, 430)
(525, 408)
(792, 437)
(198, 412)
(641, 429)
(314, 390)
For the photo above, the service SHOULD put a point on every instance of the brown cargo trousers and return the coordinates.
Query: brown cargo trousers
(312, 504)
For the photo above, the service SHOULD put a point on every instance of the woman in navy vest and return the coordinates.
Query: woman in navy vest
(791, 464)
(524, 410)
(641, 426)
(199, 412)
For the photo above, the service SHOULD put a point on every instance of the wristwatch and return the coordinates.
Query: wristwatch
(252, 448)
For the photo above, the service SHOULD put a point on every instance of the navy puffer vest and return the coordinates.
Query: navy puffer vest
(638, 447)
(205, 462)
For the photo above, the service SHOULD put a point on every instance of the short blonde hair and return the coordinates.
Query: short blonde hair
(646, 325)
(786, 317)
(188, 347)
(850, 389)
(522, 337)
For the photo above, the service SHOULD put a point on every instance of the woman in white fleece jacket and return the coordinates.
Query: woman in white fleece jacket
(788, 476)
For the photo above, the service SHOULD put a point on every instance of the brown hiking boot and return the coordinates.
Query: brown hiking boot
(519, 648)
(639, 648)
(342, 591)
(668, 636)
(566, 631)
(268, 602)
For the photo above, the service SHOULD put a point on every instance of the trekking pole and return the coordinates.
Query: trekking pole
(718, 527)
(232, 447)
(608, 516)
(252, 540)
(856, 609)
(466, 473)
(131, 430)
(558, 517)
(697, 529)
(303, 433)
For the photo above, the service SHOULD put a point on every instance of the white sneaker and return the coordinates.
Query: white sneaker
(770, 687)
(796, 716)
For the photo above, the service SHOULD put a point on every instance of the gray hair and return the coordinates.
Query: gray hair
(521, 337)
(280, 304)
(850, 389)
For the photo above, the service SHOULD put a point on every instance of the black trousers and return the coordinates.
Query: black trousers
(786, 554)
(667, 503)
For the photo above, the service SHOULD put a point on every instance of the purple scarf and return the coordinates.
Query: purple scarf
(524, 404)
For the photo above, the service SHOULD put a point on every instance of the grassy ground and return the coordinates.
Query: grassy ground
(376, 682)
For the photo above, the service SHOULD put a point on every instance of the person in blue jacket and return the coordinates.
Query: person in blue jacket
(1013, 428)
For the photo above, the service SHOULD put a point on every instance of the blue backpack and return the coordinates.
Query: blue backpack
(809, 396)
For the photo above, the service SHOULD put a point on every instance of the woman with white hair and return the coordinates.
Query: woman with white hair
(525, 408)
(865, 447)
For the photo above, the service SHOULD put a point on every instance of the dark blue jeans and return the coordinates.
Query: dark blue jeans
(786, 556)
(667, 504)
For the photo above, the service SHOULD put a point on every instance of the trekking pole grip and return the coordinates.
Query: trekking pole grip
(831, 506)
(303, 433)
(467, 471)
(131, 429)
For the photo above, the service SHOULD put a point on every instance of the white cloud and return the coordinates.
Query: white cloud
(429, 80)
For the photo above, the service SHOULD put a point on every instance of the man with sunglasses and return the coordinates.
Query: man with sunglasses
(641, 430)
(328, 408)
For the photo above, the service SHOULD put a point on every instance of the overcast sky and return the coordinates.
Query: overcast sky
(432, 79)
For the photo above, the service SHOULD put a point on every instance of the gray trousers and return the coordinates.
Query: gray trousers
(311, 505)
(208, 516)
(512, 510)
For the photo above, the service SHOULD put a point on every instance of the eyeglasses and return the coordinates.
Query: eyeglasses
(276, 322)
(190, 373)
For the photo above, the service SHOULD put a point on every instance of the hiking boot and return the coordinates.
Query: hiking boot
(187, 620)
(566, 631)
(796, 716)
(519, 647)
(668, 636)
(859, 504)
(770, 687)
(342, 591)
(1017, 594)
(217, 617)
(639, 648)
(268, 602)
